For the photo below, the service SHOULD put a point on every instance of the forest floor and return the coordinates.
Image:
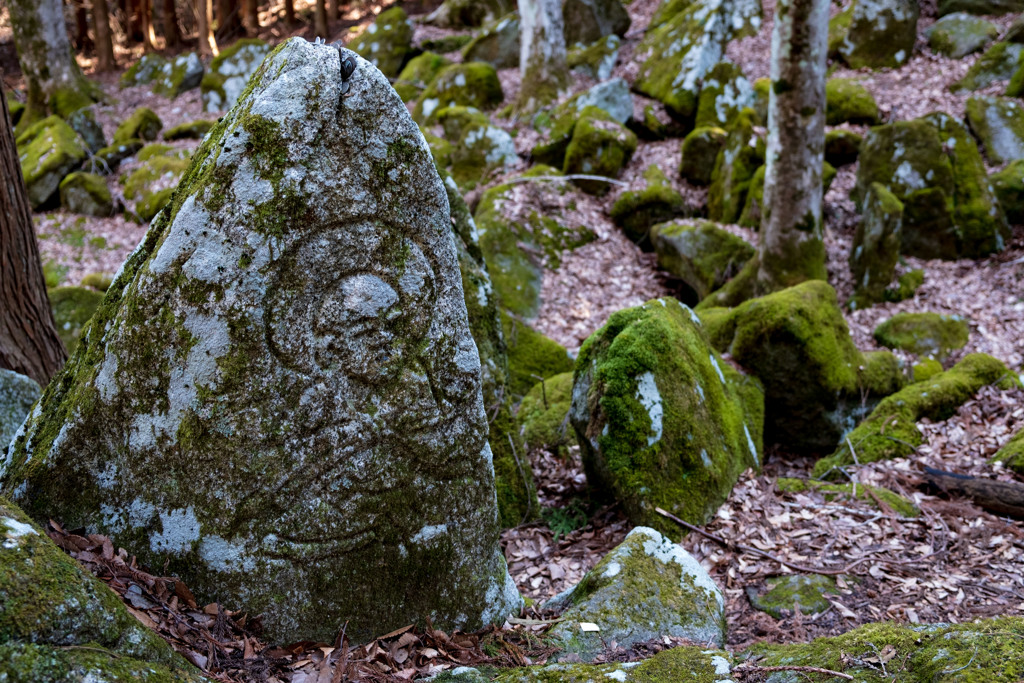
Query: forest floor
(953, 563)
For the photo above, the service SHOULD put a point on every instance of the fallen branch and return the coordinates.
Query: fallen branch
(754, 668)
(1001, 497)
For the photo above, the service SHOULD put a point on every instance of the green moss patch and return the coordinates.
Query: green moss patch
(783, 595)
(598, 147)
(1008, 185)
(48, 151)
(848, 101)
(418, 73)
(876, 245)
(734, 169)
(700, 150)
(472, 84)
(190, 130)
(959, 34)
(872, 495)
(86, 193)
(531, 355)
(73, 307)
(637, 211)
(544, 415)
(926, 334)
(701, 254)
(142, 124)
(998, 123)
(387, 42)
(998, 63)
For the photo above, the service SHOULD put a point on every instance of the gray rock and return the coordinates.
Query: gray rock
(998, 63)
(876, 246)
(17, 394)
(84, 123)
(143, 71)
(980, 6)
(181, 74)
(48, 151)
(726, 91)
(646, 588)
(497, 44)
(611, 96)
(958, 35)
(285, 357)
(596, 60)
(587, 21)
(229, 73)
(86, 193)
(998, 123)
(701, 254)
(876, 33)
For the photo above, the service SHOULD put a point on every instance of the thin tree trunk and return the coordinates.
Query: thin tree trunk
(250, 17)
(104, 43)
(82, 41)
(204, 19)
(172, 36)
(229, 20)
(47, 62)
(135, 20)
(146, 22)
(542, 61)
(289, 13)
(792, 249)
(320, 20)
(29, 343)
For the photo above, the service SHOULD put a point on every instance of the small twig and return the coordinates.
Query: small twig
(754, 668)
(543, 388)
(570, 176)
(953, 671)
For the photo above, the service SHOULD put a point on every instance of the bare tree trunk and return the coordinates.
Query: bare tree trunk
(542, 60)
(29, 343)
(104, 43)
(135, 20)
(229, 20)
(320, 20)
(172, 36)
(289, 12)
(204, 19)
(146, 23)
(792, 249)
(250, 17)
(82, 41)
(52, 77)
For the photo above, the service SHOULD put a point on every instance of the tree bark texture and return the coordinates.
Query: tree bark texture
(47, 62)
(320, 27)
(289, 12)
(229, 19)
(135, 20)
(82, 41)
(792, 249)
(146, 21)
(204, 21)
(1000, 497)
(172, 36)
(29, 343)
(542, 61)
(250, 17)
(104, 42)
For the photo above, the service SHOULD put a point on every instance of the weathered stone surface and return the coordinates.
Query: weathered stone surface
(875, 33)
(472, 84)
(848, 101)
(782, 595)
(387, 42)
(725, 93)
(926, 334)
(1008, 185)
(285, 356)
(230, 71)
(609, 101)
(181, 74)
(997, 64)
(637, 211)
(111, 156)
(544, 415)
(86, 193)
(959, 34)
(149, 184)
(683, 42)
(702, 255)
(932, 165)
(17, 394)
(142, 124)
(497, 44)
(646, 588)
(700, 150)
(661, 419)
(599, 146)
(876, 246)
(587, 21)
(143, 71)
(60, 623)
(734, 169)
(48, 150)
(531, 355)
(478, 148)
(998, 123)
(468, 13)
(418, 73)
(84, 123)
(597, 59)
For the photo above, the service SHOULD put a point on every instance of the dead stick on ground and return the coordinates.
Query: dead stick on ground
(754, 668)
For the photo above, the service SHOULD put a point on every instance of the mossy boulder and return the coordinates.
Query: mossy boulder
(998, 123)
(890, 431)
(700, 150)
(190, 130)
(111, 156)
(926, 334)
(520, 237)
(468, 13)
(609, 101)
(387, 42)
(781, 596)
(848, 101)
(15, 108)
(683, 42)
(544, 415)
(18, 393)
(932, 165)
(531, 355)
(646, 588)
(980, 6)
(149, 185)
(418, 73)
(497, 44)
(987, 650)
(842, 147)
(48, 151)
(478, 149)
(83, 122)
(284, 356)
(587, 21)
(925, 369)
(73, 308)
(687, 662)
(597, 59)
(876, 496)
(875, 33)
(86, 193)
(734, 169)
(513, 476)
(599, 146)
(229, 73)
(998, 63)
(796, 341)
(725, 92)
(1011, 455)
(181, 74)
(661, 419)
(635, 212)
(60, 623)
(959, 34)
(144, 71)
(99, 281)
(907, 285)
(447, 44)
(142, 124)
(701, 255)
(876, 246)
(611, 96)
(1008, 185)
(471, 84)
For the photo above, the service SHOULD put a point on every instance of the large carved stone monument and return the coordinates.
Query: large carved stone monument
(280, 395)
